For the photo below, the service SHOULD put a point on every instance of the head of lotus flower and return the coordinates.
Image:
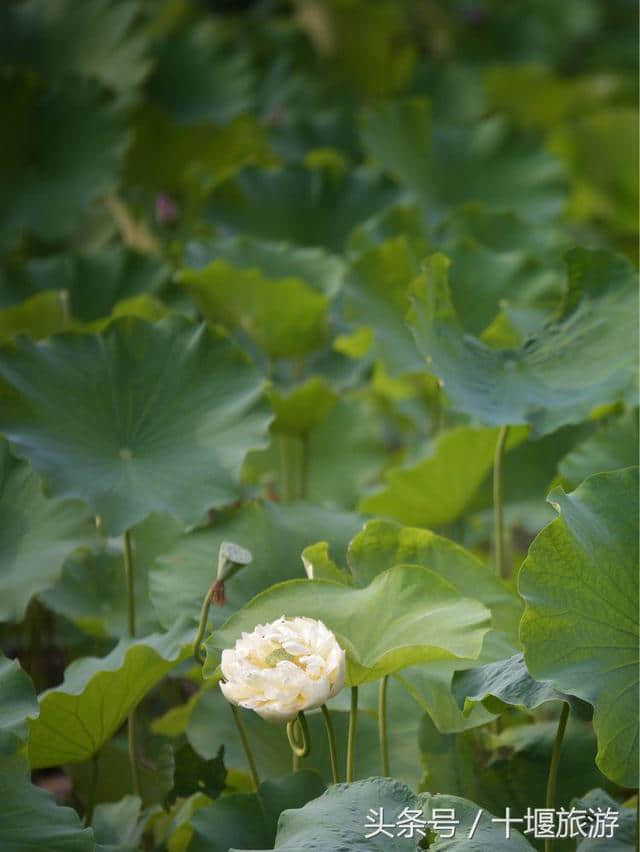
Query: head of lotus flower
(283, 668)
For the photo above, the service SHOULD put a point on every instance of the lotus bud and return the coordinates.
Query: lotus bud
(231, 558)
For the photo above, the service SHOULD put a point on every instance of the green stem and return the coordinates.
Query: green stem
(333, 754)
(244, 739)
(202, 626)
(133, 759)
(304, 465)
(351, 741)
(286, 451)
(553, 769)
(300, 745)
(131, 619)
(497, 501)
(382, 726)
(91, 795)
(128, 570)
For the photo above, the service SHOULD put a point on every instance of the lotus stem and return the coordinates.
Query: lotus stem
(286, 449)
(202, 626)
(497, 502)
(553, 769)
(244, 739)
(351, 741)
(331, 737)
(133, 755)
(91, 795)
(300, 745)
(382, 725)
(131, 623)
(304, 466)
(128, 570)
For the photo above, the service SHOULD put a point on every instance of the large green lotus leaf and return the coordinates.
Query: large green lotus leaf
(509, 682)
(97, 694)
(31, 819)
(275, 535)
(383, 544)
(95, 281)
(584, 358)
(488, 834)
(407, 615)
(580, 628)
(613, 445)
(401, 219)
(625, 832)
(198, 77)
(431, 688)
(210, 724)
(285, 316)
(512, 767)
(498, 261)
(605, 189)
(443, 166)
(186, 161)
(298, 411)
(369, 49)
(251, 819)
(440, 488)
(118, 826)
(38, 317)
(503, 232)
(36, 535)
(64, 152)
(303, 206)
(377, 298)
(156, 418)
(344, 816)
(97, 38)
(17, 698)
(484, 281)
(539, 98)
(338, 819)
(323, 271)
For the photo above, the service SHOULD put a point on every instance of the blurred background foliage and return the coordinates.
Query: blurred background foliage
(281, 170)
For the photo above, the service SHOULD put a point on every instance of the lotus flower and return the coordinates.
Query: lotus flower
(281, 668)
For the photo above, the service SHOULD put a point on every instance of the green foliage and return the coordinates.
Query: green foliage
(445, 166)
(47, 186)
(589, 556)
(408, 614)
(252, 818)
(586, 357)
(513, 765)
(285, 317)
(36, 535)
(79, 716)
(136, 415)
(439, 489)
(351, 285)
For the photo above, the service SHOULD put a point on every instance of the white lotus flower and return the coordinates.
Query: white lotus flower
(281, 668)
